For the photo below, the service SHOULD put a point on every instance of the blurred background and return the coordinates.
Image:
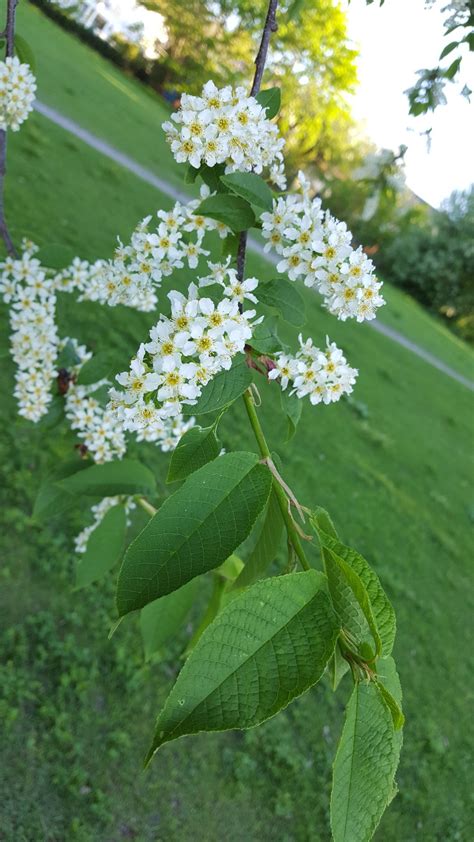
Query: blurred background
(383, 128)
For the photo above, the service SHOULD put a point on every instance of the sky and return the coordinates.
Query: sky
(396, 40)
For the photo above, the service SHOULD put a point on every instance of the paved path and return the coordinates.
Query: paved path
(176, 194)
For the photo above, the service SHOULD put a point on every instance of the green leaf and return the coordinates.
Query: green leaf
(382, 609)
(292, 407)
(233, 211)
(54, 415)
(24, 52)
(453, 68)
(161, 619)
(264, 649)
(338, 666)
(283, 296)
(295, 9)
(251, 187)
(364, 767)
(104, 547)
(198, 446)
(101, 366)
(265, 338)
(321, 520)
(211, 177)
(271, 100)
(68, 357)
(195, 530)
(389, 685)
(191, 173)
(52, 500)
(223, 389)
(448, 49)
(266, 547)
(341, 577)
(56, 255)
(121, 477)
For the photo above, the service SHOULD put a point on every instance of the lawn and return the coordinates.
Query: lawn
(393, 468)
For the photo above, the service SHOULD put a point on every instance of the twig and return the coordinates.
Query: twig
(260, 60)
(9, 35)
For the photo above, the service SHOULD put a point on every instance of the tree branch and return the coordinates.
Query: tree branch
(260, 60)
(9, 35)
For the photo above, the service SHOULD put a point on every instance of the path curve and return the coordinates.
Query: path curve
(178, 195)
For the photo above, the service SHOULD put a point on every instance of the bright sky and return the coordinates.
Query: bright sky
(396, 40)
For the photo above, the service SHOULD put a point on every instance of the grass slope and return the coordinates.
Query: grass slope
(394, 470)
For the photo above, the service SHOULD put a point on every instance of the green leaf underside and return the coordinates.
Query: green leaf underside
(338, 667)
(350, 600)
(251, 187)
(364, 767)
(389, 683)
(223, 389)
(266, 547)
(382, 609)
(284, 297)
(292, 407)
(271, 100)
(196, 448)
(120, 477)
(104, 547)
(195, 530)
(264, 649)
(52, 500)
(162, 618)
(232, 210)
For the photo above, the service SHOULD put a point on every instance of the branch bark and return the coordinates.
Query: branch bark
(260, 61)
(9, 35)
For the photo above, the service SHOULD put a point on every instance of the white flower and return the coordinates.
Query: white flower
(17, 93)
(323, 376)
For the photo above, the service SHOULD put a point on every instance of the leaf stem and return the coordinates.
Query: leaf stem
(293, 536)
(143, 502)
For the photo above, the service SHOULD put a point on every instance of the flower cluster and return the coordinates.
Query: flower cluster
(137, 269)
(185, 351)
(17, 93)
(322, 375)
(317, 247)
(225, 126)
(99, 511)
(34, 338)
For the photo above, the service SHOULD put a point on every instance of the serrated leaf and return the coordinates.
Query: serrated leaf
(270, 99)
(104, 547)
(99, 367)
(198, 446)
(292, 407)
(223, 389)
(265, 338)
(321, 520)
(283, 296)
(364, 767)
(382, 609)
(251, 187)
(161, 619)
(24, 52)
(195, 530)
(232, 210)
(52, 500)
(347, 593)
(120, 477)
(264, 649)
(266, 547)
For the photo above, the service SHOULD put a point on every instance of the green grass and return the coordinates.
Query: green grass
(395, 470)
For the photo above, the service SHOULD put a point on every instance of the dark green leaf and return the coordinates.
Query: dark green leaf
(211, 177)
(24, 52)
(266, 547)
(104, 547)
(292, 407)
(284, 297)
(265, 338)
(121, 477)
(191, 174)
(338, 666)
(161, 619)
(453, 68)
(270, 99)
(198, 446)
(350, 600)
(251, 187)
(223, 389)
(264, 649)
(195, 530)
(364, 767)
(448, 49)
(233, 211)
(54, 415)
(101, 366)
(52, 500)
